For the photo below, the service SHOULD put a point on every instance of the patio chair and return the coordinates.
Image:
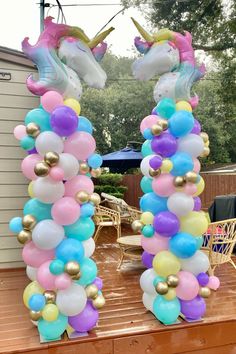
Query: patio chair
(219, 242)
(105, 217)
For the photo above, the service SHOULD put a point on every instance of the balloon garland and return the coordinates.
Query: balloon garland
(172, 223)
(57, 227)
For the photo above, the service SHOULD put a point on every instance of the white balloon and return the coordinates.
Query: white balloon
(49, 141)
(31, 272)
(72, 300)
(192, 144)
(47, 234)
(145, 167)
(196, 264)
(146, 281)
(47, 190)
(69, 164)
(89, 247)
(148, 301)
(180, 203)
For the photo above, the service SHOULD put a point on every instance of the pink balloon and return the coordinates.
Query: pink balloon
(214, 282)
(56, 173)
(80, 144)
(190, 188)
(63, 281)
(164, 185)
(34, 256)
(154, 244)
(45, 278)
(148, 122)
(188, 287)
(77, 184)
(65, 211)
(50, 100)
(196, 165)
(28, 164)
(19, 131)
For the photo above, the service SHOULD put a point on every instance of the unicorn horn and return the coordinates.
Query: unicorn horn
(78, 33)
(142, 31)
(99, 38)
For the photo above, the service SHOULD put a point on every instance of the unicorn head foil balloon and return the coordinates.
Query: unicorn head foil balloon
(171, 56)
(64, 55)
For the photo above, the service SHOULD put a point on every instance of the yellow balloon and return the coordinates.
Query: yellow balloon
(30, 189)
(147, 218)
(170, 295)
(166, 263)
(207, 143)
(50, 312)
(31, 289)
(200, 187)
(183, 106)
(74, 104)
(194, 223)
(166, 166)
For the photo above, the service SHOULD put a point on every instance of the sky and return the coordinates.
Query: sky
(21, 18)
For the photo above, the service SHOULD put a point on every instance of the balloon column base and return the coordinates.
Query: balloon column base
(45, 340)
(72, 334)
(190, 320)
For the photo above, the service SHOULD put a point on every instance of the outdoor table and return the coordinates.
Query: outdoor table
(223, 208)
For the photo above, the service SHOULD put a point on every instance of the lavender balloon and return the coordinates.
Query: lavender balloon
(203, 279)
(85, 320)
(147, 259)
(155, 162)
(32, 151)
(166, 223)
(164, 144)
(196, 128)
(64, 121)
(193, 309)
(197, 204)
(98, 282)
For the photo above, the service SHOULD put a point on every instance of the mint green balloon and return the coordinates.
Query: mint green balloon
(81, 230)
(88, 270)
(40, 117)
(166, 311)
(27, 143)
(157, 279)
(146, 184)
(39, 210)
(199, 241)
(146, 148)
(56, 267)
(53, 330)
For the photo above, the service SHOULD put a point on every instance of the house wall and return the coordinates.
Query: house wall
(15, 102)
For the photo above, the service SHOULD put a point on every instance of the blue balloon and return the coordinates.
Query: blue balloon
(95, 161)
(183, 245)
(53, 330)
(70, 250)
(148, 231)
(182, 163)
(153, 203)
(88, 270)
(81, 230)
(87, 210)
(40, 117)
(146, 148)
(38, 209)
(181, 123)
(37, 302)
(146, 184)
(15, 225)
(166, 311)
(147, 134)
(84, 125)
(165, 108)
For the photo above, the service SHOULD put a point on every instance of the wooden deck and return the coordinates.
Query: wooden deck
(124, 326)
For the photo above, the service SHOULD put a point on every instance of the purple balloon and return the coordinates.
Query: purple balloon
(85, 320)
(197, 204)
(203, 279)
(165, 144)
(32, 151)
(147, 259)
(196, 128)
(98, 282)
(155, 162)
(154, 113)
(193, 309)
(166, 223)
(64, 121)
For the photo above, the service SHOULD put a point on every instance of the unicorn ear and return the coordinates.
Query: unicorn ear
(99, 51)
(142, 47)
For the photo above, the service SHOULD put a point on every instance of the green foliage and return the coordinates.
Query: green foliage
(113, 179)
(110, 183)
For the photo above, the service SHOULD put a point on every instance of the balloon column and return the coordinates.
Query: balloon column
(57, 227)
(172, 223)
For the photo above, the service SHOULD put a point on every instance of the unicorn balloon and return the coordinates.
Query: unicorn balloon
(170, 55)
(64, 55)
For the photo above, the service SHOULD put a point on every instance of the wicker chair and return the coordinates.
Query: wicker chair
(105, 217)
(219, 242)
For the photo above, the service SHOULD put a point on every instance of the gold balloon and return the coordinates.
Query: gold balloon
(33, 129)
(99, 302)
(72, 268)
(29, 222)
(204, 137)
(161, 288)
(172, 280)
(95, 199)
(35, 315)
(91, 291)
(204, 292)
(76, 276)
(83, 168)
(191, 177)
(50, 296)
(179, 181)
(24, 236)
(206, 151)
(96, 172)
(51, 158)
(163, 123)
(82, 197)
(156, 129)
(41, 169)
(137, 225)
(154, 173)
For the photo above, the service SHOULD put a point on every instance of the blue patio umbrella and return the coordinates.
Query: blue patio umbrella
(122, 160)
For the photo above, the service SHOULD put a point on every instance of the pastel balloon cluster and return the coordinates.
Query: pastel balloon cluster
(57, 226)
(172, 223)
